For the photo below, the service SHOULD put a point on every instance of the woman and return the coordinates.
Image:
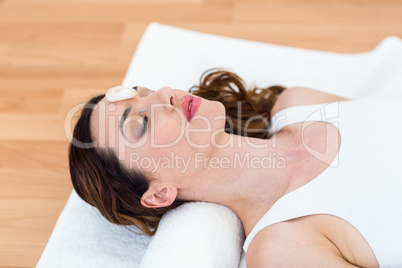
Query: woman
(320, 189)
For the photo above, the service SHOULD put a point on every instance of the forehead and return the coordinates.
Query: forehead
(105, 116)
(106, 113)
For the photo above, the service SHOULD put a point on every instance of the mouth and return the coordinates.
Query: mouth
(189, 106)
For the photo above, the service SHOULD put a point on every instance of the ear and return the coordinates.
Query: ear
(156, 198)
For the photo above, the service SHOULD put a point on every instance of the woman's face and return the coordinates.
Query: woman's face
(162, 132)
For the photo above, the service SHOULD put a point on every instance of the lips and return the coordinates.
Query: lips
(189, 106)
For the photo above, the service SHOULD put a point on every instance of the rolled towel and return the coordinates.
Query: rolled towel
(196, 234)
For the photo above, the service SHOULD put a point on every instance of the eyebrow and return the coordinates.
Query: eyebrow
(124, 117)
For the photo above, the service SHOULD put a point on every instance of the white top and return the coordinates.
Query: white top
(363, 185)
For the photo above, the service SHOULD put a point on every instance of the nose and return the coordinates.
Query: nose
(164, 96)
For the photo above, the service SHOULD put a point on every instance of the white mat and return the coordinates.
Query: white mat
(177, 57)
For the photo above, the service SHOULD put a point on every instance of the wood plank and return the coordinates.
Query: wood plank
(25, 228)
(111, 13)
(28, 183)
(340, 14)
(28, 206)
(56, 82)
(47, 34)
(25, 127)
(33, 154)
(318, 37)
(74, 97)
(329, 27)
(26, 100)
(100, 2)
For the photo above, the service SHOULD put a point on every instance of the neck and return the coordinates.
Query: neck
(247, 175)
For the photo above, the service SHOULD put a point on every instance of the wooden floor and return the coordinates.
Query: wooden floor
(56, 53)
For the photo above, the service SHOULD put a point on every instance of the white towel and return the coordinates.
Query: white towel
(177, 57)
(187, 235)
(83, 238)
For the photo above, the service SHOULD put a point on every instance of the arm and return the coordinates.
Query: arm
(282, 260)
(303, 96)
(293, 247)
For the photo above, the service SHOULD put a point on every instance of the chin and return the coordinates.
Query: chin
(218, 110)
(214, 111)
(220, 107)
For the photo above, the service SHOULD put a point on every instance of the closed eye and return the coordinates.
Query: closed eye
(124, 118)
(144, 126)
(138, 124)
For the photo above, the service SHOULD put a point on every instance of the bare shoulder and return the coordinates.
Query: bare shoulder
(291, 245)
(303, 96)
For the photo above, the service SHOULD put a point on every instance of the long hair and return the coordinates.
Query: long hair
(248, 111)
(102, 181)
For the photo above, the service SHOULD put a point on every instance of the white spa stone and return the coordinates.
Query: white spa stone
(120, 93)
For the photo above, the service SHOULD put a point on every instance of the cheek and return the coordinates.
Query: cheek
(167, 136)
(167, 132)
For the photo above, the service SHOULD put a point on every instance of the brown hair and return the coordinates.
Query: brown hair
(101, 180)
(248, 111)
